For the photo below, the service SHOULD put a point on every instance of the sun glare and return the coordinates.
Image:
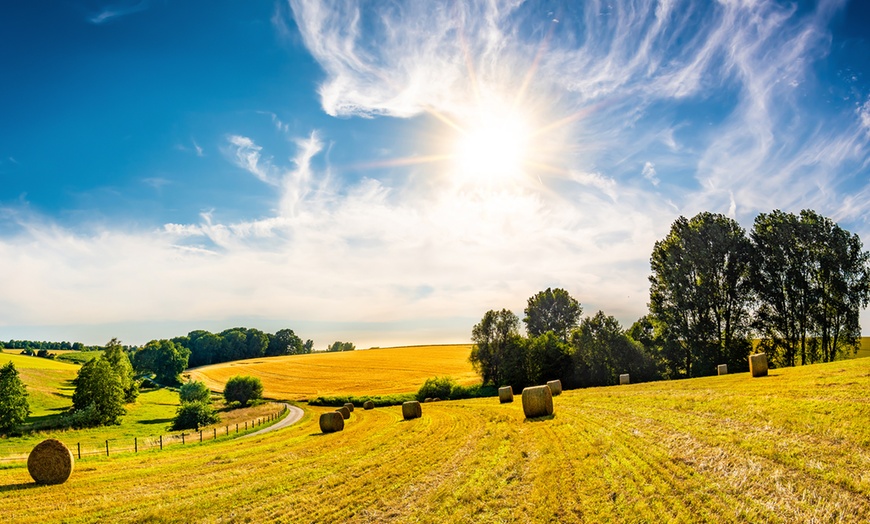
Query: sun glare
(492, 148)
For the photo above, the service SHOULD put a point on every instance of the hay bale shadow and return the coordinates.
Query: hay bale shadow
(19, 487)
(539, 419)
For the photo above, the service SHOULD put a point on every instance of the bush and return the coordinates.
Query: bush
(243, 389)
(378, 400)
(436, 387)
(194, 415)
(14, 407)
(194, 391)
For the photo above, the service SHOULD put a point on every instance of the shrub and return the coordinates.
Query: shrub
(243, 389)
(376, 400)
(436, 387)
(194, 415)
(194, 391)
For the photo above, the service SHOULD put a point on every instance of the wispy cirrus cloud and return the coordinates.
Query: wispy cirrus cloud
(115, 11)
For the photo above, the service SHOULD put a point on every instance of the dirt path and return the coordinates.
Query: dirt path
(292, 417)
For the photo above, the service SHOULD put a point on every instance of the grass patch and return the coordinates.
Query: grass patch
(790, 447)
(357, 401)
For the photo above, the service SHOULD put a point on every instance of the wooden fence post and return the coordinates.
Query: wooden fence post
(200, 435)
(79, 445)
(135, 444)
(182, 438)
(107, 448)
(214, 433)
(161, 442)
(237, 428)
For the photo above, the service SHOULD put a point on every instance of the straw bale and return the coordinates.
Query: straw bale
(555, 387)
(505, 394)
(345, 413)
(349, 406)
(50, 462)
(758, 365)
(624, 379)
(368, 404)
(537, 401)
(722, 369)
(331, 422)
(412, 409)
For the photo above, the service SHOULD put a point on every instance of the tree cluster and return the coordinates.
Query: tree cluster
(797, 282)
(240, 343)
(243, 390)
(196, 410)
(341, 346)
(558, 345)
(102, 387)
(41, 344)
(163, 359)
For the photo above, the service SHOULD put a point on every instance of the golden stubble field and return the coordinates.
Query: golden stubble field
(791, 447)
(381, 371)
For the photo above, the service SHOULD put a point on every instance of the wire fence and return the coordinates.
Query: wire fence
(110, 447)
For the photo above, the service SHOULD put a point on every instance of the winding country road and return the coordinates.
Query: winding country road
(292, 417)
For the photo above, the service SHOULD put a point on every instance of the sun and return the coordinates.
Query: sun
(492, 147)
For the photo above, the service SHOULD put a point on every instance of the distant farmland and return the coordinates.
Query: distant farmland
(361, 372)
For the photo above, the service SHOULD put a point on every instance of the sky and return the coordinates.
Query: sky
(386, 172)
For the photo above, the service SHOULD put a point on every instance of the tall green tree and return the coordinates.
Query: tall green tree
(98, 399)
(498, 353)
(701, 294)
(117, 357)
(164, 358)
(811, 278)
(14, 407)
(552, 310)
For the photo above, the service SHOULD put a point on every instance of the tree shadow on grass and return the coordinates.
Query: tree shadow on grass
(155, 421)
(539, 419)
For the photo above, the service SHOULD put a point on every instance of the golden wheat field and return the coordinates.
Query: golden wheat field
(362, 372)
(790, 447)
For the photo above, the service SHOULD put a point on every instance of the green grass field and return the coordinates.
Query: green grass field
(791, 447)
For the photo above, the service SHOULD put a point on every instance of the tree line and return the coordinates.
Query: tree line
(796, 284)
(240, 343)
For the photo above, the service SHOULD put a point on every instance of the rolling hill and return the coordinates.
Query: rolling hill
(790, 447)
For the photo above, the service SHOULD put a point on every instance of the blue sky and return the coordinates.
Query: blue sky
(386, 172)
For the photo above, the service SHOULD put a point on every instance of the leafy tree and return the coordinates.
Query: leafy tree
(14, 407)
(164, 358)
(205, 348)
(549, 359)
(194, 415)
(243, 389)
(499, 353)
(552, 310)
(700, 294)
(603, 351)
(341, 346)
(98, 399)
(194, 391)
(284, 342)
(811, 278)
(234, 345)
(308, 347)
(117, 357)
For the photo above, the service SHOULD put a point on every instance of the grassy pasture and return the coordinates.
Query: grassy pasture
(361, 372)
(791, 447)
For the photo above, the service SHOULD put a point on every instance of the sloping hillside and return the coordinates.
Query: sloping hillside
(791, 447)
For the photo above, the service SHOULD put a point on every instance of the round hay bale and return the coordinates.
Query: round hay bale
(345, 413)
(368, 404)
(555, 387)
(349, 406)
(537, 401)
(427, 400)
(412, 409)
(758, 365)
(624, 379)
(722, 369)
(331, 422)
(505, 394)
(50, 462)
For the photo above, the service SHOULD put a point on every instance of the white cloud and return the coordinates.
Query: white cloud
(110, 13)
(649, 173)
(246, 154)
